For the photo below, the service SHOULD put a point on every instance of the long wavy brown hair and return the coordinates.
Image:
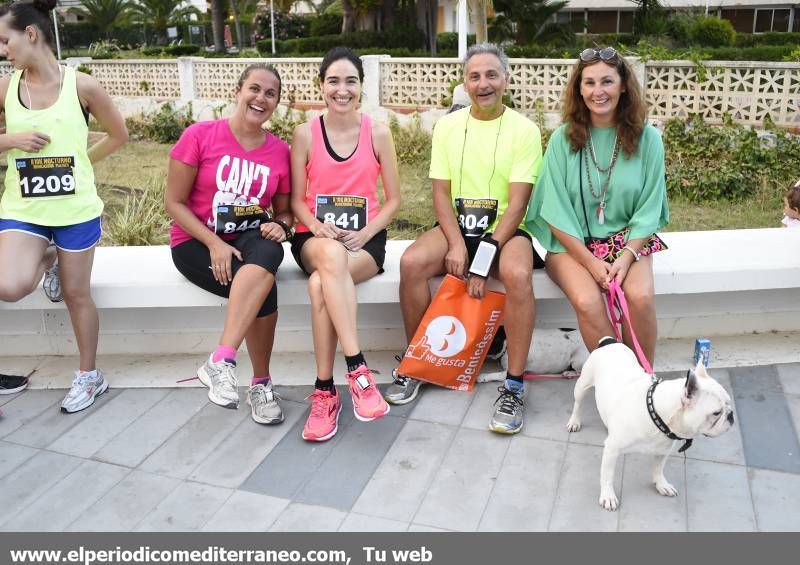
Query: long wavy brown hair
(630, 113)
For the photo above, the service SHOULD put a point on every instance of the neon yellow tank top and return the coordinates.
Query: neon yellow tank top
(54, 187)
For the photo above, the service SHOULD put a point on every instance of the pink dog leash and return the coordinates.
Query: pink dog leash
(618, 312)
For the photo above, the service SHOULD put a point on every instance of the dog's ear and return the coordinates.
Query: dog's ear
(700, 370)
(689, 388)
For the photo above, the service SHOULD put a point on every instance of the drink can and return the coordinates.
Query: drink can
(702, 351)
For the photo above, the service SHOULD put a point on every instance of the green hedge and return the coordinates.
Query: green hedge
(762, 53)
(398, 37)
(769, 38)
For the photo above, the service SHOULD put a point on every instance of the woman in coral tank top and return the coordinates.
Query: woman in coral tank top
(341, 234)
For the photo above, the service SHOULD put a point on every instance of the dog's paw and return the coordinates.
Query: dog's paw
(609, 500)
(664, 488)
(574, 424)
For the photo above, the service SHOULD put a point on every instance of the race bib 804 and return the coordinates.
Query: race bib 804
(475, 215)
(46, 176)
(344, 211)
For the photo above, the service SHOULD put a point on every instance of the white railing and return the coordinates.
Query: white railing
(747, 91)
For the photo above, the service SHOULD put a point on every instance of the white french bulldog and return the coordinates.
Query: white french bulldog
(552, 352)
(687, 407)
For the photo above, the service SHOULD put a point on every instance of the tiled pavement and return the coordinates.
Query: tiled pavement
(166, 459)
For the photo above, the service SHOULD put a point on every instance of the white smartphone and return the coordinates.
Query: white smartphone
(484, 257)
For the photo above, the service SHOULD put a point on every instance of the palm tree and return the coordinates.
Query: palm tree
(534, 19)
(478, 9)
(159, 14)
(105, 15)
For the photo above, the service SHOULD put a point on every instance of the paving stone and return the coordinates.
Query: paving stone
(33, 479)
(103, 425)
(593, 431)
(13, 455)
(246, 512)
(480, 410)
(202, 435)
(44, 429)
(793, 401)
(789, 375)
(364, 523)
(186, 509)
(294, 461)
(763, 413)
(525, 489)
(576, 508)
(547, 409)
(776, 499)
(726, 448)
(126, 504)
(300, 517)
(426, 529)
(342, 476)
(643, 509)
(145, 435)
(67, 499)
(245, 448)
(25, 407)
(718, 497)
(462, 486)
(397, 486)
(441, 405)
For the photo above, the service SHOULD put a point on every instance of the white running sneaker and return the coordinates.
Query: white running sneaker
(51, 284)
(220, 378)
(264, 406)
(85, 388)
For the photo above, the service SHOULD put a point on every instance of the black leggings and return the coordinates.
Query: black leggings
(193, 260)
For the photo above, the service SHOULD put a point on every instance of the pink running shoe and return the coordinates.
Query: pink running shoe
(323, 421)
(368, 402)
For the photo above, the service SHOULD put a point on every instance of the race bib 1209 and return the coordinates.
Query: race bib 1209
(238, 218)
(475, 215)
(344, 211)
(41, 177)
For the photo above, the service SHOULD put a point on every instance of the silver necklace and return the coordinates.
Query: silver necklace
(603, 186)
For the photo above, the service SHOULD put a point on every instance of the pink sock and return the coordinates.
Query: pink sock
(260, 380)
(223, 352)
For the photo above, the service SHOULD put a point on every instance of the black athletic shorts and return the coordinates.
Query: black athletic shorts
(472, 247)
(376, 247)
(193, 260)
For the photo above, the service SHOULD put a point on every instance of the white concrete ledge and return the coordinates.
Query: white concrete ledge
(708, 283)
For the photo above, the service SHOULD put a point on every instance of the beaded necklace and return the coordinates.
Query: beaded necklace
(603, 186)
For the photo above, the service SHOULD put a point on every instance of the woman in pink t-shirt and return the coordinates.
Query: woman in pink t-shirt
(341, 237)
(224, 177)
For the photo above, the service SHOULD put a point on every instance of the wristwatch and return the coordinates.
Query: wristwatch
(288, 230)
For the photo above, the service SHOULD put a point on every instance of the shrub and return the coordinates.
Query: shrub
(732, 162)
(760, 53)
(151, 50)
(182, 50)
(326, 24)
(283, 122)
(142, 220)
(287, 26)
(165, 125)
(710, 31)
(448, 41)
(412, 143)
(768, 38)
(396, 37)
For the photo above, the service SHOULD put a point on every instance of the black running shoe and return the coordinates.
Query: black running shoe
(11, 384)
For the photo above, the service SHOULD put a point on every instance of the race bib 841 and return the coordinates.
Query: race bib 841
(344, 211)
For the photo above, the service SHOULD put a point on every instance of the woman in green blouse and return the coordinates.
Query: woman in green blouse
(603, 179)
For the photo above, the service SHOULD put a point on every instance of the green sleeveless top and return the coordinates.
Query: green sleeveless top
(54, 187)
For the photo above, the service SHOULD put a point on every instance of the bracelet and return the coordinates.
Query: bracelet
(289, 231)
(636, 255)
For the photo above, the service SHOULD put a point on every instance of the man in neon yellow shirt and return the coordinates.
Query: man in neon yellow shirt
(484, 162)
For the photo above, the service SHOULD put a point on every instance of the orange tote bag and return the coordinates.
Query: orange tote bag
(454, 336)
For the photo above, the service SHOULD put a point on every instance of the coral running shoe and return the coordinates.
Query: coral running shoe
(323, 421)
(368, 403)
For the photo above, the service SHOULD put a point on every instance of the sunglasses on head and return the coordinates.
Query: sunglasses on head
(604, 54)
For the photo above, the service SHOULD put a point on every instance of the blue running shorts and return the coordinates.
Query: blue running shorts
(77, 237)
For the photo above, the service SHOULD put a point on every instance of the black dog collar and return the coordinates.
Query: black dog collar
(659, 422)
